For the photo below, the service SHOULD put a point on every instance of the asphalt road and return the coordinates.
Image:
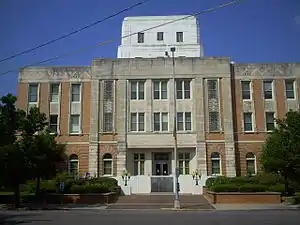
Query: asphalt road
(104, 217)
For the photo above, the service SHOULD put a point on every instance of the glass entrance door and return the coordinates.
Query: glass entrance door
(161, 168)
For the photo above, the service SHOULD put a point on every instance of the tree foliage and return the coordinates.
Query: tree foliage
(281, 152)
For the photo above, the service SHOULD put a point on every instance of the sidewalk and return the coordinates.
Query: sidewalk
(235, 207)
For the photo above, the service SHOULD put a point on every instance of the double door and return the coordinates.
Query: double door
(161, 168)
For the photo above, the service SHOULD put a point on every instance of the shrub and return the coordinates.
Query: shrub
(269, 178)
(92, 188)
(48, 186)
(252, 188)
(277, 188)
(224, 188)
(210, 182)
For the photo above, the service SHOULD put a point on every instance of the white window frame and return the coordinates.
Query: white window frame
(183, 91)
(138, 83)
(294, 89)
(37, 92)
(139, 161)
(160, 90)
(138, 122)
(73, 160)
(57, 123)
(51, 93)
(79, 124)
(264, 90)
(180, 39)
(266, 121)
(220, 164)
(161, 122)
(186, 162)
(250, 90)
(184, 121)
(244, 122)
(111, 163)
(251, 159)
(80, 92)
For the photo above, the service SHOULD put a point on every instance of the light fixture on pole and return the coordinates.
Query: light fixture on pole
(176, 175)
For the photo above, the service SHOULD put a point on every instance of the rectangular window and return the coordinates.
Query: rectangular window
(75, 92)
(160, 89)
(184, 120)
(268, 89)
(183, 89)
(248, 126)
(75, 124)
(214, 121)
(184, 163)
(137, 121)
(108, 122)
(212, 89)
(246, 90)
(270, 121)
(141, 37)
(33, 92)
(137, 90)
(179, 36)
(289, 89)
(139, 164)
(160, 36)
(161, 122)
(54, 93)
(53, 123)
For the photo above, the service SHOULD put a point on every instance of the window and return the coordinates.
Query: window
(184, 163)
(74, 165)
(184, 121)
(33, 93)
(215, 163)
(107, 164)
(248, 122)
(183, 89)
(160, 89)
(160, 36)
(268, 89)
(141, 37)
(246, 91)
(250, 163)
(289, 89)
(53, 123)
(75, 124)
(54, 93)
(108, 122)
(179, 36)
(270, 121)
(137, 121)
(75, 92)
(213, 119)
(161, 122)
(212, 89)
(137, 89)
(139, 164)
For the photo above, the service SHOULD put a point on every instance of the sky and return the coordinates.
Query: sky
(251, 31)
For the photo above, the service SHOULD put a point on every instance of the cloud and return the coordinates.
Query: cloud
(297, 20)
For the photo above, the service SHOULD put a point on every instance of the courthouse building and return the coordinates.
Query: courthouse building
(117, 114)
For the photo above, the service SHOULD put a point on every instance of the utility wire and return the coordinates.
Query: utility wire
(125, 36)
(74, 32)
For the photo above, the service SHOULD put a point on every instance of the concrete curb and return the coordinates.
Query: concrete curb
(185, 210)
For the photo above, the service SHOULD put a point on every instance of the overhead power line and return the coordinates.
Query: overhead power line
(74, 32)
(125, 36)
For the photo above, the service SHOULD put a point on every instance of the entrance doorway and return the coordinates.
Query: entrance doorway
(161, 164)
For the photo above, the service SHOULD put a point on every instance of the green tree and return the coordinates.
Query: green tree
(13, 161)
(281, 152)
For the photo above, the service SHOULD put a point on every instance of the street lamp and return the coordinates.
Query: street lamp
(176, 185)
(196, 176)
(125, 177)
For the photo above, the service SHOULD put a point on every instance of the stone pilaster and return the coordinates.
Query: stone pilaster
(121, 158)
(228, 128)
(199, 125)
(94, 128)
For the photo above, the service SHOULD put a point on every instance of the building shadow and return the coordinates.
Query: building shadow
(8, 218)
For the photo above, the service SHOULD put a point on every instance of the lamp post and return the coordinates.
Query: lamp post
(196, 176)
(176, 183)
(125, 177)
